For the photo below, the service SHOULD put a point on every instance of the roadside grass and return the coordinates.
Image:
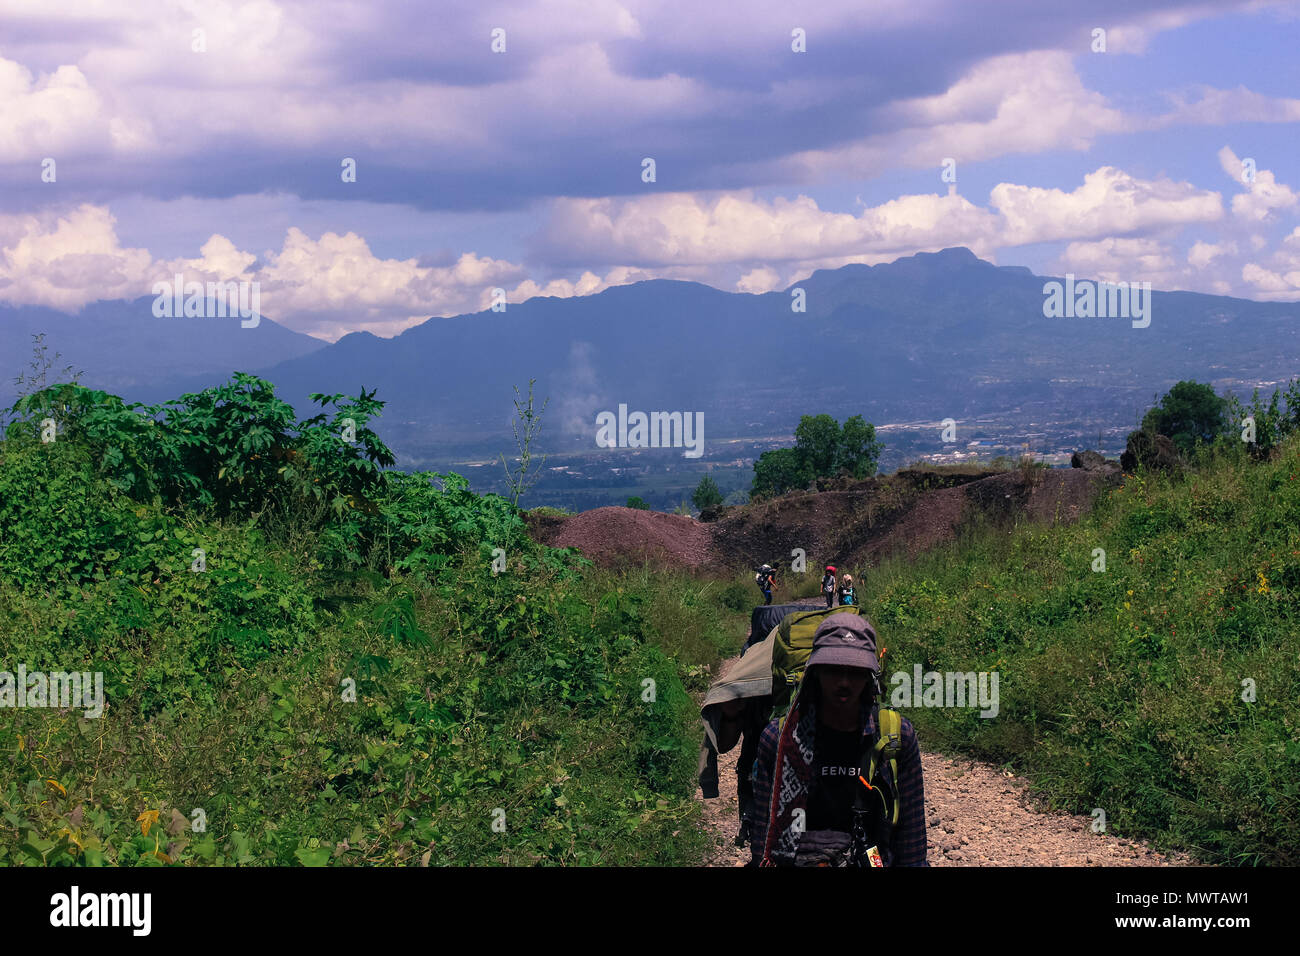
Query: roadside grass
(347, 686)
(1163, 689)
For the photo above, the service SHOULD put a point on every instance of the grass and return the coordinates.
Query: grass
(546, 511)
(344, 689)
(528, 697)
(1163, 688)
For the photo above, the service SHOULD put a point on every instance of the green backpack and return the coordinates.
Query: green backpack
(793, 647)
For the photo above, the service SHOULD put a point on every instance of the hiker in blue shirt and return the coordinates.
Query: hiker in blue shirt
(766, 580)
(846, 590)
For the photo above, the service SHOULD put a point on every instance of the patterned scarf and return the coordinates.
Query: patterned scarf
(792, 776)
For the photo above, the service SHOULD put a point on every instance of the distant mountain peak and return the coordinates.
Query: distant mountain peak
(951, 254)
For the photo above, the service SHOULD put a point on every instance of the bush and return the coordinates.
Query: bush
(317, 712)
(1124, 689)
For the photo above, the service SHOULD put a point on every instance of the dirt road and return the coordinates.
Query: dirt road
(976, 814)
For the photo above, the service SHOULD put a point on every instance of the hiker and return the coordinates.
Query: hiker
(735, 711)
(811, 806)
(828, 584)
(846, 590)
(766, 580)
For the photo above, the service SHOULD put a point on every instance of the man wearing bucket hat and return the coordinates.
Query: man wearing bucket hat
(830, 789)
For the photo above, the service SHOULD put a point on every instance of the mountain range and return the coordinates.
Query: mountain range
(926, 337)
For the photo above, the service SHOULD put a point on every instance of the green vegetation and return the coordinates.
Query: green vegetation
(1198, 421)
(1274, 420)
(1188, 413)
(546, 511)
(1161, 689)
(823, 449)
(707, 494)
(318, 654)
(636, 502)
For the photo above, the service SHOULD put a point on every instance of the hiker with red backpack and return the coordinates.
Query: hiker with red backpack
(837, 781)
(828, 585)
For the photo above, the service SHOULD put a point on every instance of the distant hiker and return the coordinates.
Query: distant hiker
(829, 788)
(766, 581)
(828, 584)
(846, 590)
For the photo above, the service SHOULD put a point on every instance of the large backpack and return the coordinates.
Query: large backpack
(767, 616)
(793, 647)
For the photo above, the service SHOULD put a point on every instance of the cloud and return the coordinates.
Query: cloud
(1203, 253)
(1280, 278)
(326, 286)
(67, 260)
(1018, 103)
(1223, 107)
(585, 89)
(739, 228)
(1123, 260)
(1109, 202)
(1263, 195)
(757, 281)
(59, 115)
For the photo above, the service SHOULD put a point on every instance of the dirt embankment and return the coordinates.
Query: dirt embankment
(612, 536)
(854, 525)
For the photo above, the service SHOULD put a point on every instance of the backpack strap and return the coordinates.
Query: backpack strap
(878, 799)
(889, 741)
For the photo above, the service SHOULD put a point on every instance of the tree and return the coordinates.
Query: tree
(636, 501)
(858, 451)
(817, 441)
(822, 450)
(779, 471)
(1189, 413)
(519, 481)
(707, 494)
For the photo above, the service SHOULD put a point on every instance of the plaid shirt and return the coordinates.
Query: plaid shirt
(908, 840)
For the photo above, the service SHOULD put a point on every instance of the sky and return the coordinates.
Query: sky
(561, 148)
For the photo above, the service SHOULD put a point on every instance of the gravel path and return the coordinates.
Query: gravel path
(978, 815)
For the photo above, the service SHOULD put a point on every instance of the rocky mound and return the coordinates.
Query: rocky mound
(614, 535)
(856, 527)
